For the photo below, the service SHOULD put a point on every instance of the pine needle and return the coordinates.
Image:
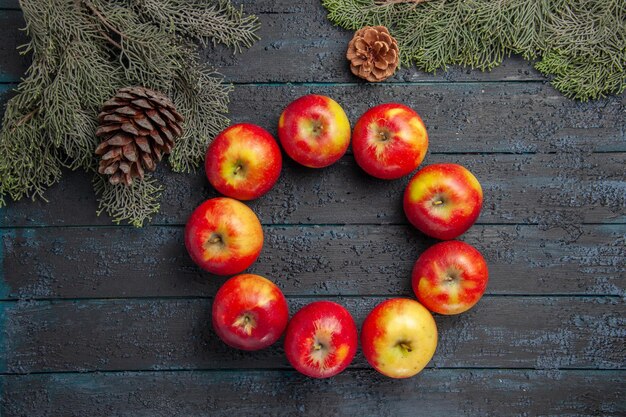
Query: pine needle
(135, 204)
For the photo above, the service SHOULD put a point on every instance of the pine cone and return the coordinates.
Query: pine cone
(373, 53)
(137, 126)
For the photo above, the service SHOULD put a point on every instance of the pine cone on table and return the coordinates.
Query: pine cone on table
(137, 126)
(373, 53)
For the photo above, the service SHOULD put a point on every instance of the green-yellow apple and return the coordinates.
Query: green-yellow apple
(389, 141)
(223, 236)
(443, 200)
(243, 162)
(314, 131)
(399, 337)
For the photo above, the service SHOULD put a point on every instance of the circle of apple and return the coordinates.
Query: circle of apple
(450, 277)
(321, 339)
(249, 312)
(314, 131)
(243, 161)
(389, 141)
(399, 337)
(223, 236)
(443, 200)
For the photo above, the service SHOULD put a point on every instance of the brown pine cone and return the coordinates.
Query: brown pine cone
(373, 53)
(137, 126)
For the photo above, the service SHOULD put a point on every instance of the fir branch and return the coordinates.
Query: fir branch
(27, 167)
(135, 204)
(217, 21)
(82, 52)
(202, 97)
(581, 43)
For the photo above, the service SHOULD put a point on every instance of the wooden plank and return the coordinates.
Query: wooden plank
(164, 334)
(363, 393)
(481, 117)
(288, 51)
(52, 263)
(9, 4)
(553, 190)
(477, 117)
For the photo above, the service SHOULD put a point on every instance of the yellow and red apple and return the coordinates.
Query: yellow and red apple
(389, 141)
(249, 312)
(223, 236)
(443, 200)
(450, 277)
(243, 161)
(399, 337)
(314, 131)
(321, 339)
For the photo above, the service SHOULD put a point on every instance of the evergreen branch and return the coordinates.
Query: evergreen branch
(581, 43)
(82, 52)
(202, 97)
(26, 167)
(213, 20)
(135, 204)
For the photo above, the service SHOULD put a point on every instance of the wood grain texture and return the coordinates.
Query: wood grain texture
(166, 334)
(472, 117)
(285, 394)
(53, 263)
(553, 190)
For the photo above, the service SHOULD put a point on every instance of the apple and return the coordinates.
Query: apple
(249, 312)
(243, 162)
(450, 277)
(321, 339)
(314, 131)
(399, 337)
(223, 236)
(443, 200)
(389, 141)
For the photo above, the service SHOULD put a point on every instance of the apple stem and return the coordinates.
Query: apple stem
(405, 346)
(246, 322)
(438, 202)
(237, 169)
(318, 346)
(317, 128)
(215, 239)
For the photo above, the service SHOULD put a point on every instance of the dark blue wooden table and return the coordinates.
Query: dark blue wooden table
(104, 320)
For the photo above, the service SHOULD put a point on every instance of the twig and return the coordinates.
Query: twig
(104, 21)
(24, 119)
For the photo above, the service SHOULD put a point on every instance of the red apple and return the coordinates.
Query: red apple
(399, 337)
(321, 339)
(249, 312)
(450, 277)
(223, 236)
(443, 200)
(389, 141)
(243, 162)
(314, 131)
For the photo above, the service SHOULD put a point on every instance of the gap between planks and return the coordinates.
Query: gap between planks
(56, 300)
(355, 369)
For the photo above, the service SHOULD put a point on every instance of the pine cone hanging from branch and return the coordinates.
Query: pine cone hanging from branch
(373, 53)
(137, 126)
